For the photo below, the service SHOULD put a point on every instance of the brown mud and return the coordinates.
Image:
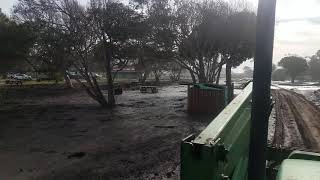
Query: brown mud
(297, 124)
(57, 133)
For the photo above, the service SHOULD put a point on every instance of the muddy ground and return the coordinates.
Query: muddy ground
(296, 124)
(49, 132)
(56, 133)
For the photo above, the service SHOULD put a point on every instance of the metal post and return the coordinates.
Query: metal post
(261, 89)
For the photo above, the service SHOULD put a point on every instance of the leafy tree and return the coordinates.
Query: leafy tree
(70, 36)
(279, 74)
(161, 20)
(156, 47)
(294, 66)
(274, 67)
(48, 20)
(15, 43)
(314, 65)
(198, 38)
(248, 71)
(116, 27)
(211, 35)
(239, 42)
(65, 39)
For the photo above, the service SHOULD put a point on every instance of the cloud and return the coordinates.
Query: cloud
(314, 20)
(296, 36)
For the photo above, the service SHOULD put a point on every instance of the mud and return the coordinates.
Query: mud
(57, 133)
(297, 124)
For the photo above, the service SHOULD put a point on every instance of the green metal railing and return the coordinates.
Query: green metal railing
(221, 150)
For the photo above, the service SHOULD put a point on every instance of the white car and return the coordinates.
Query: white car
(22, 77)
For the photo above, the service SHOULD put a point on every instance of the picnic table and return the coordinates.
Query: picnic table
(148, 89)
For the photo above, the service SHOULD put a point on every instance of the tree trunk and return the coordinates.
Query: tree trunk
(144, 77)
(67, 80)
(175, 77)
(101, 99)
(111, 99)
(211, 78)
(179, 75)
(157, 79)
(108, 60)
(202, 77)
(157, 76)
(93, 90)
(193, 77)
(228, 81)
(219, 73)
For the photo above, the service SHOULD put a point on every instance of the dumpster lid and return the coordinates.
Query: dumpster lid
(207, 86)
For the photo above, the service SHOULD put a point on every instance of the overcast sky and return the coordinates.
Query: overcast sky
(297, 29)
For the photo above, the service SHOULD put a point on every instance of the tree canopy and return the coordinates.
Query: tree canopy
(294, 66)
(274, 67)
(218, 35)
(15, 42)
(248, 71)
(279, 75)
(314, 65)
(152, 36)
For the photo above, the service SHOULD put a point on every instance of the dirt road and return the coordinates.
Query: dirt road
(297, 124)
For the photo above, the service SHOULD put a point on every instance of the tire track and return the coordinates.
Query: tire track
(287, 134)
(307, 117)
(297, 121)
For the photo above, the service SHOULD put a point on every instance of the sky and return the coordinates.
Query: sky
(297, 29)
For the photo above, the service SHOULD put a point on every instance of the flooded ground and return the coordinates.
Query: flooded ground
(57, 133)
(49, 132)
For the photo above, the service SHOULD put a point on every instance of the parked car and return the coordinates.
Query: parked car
(22, 77)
